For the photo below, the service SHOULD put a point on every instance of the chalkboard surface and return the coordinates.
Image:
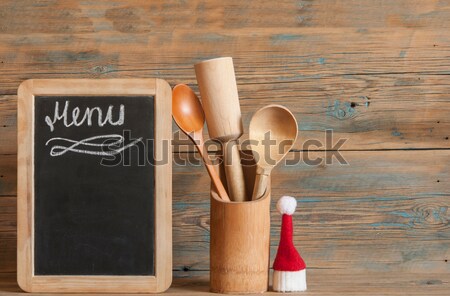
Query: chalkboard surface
(94, 185)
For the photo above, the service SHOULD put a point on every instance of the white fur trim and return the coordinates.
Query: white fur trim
(286, 205)
(289, 281)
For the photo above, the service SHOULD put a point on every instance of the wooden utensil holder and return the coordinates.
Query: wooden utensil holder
(240, 242)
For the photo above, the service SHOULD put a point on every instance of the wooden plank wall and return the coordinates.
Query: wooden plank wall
(375, 72)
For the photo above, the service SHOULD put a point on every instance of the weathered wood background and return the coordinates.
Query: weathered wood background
(375, 72)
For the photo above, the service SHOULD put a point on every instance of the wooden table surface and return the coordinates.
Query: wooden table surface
(377, 73)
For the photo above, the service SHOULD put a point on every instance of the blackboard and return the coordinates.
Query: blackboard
(89, 200)
(97, 201)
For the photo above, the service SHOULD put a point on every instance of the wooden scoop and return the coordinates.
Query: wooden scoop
(190, 118)
(273, 131)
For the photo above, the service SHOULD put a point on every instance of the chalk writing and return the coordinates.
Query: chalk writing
(87, 117)
(91, 145)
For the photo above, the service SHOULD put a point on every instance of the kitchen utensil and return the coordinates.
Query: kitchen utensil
(273, 130)
(218, 89)
(240, 247)
(188, 114)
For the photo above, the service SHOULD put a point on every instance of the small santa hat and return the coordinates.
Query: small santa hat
(289, 268)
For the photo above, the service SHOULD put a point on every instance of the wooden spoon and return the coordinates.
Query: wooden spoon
(273, 131)
(188, 114)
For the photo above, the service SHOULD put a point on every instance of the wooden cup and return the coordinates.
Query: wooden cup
(240, 242)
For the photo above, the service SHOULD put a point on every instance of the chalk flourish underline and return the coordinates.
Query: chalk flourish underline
(89, 145)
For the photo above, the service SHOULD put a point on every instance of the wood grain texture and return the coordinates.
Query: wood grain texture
(417, 118)
(320, 283)
(363, 81)
(387, 211)
(375, 72)
(143, 17)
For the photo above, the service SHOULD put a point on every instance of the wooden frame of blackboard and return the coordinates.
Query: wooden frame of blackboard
(25, 187)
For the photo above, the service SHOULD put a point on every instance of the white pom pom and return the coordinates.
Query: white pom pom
(286, 205)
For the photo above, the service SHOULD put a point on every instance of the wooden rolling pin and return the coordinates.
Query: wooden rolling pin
(218, 90)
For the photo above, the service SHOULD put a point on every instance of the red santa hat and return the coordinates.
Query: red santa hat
(289, 268)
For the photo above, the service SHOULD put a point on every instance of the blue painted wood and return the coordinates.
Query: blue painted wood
(380, 81)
